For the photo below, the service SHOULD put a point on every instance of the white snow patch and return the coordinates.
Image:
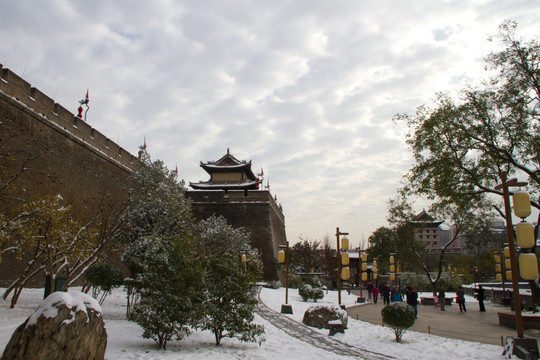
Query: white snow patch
(74, 300)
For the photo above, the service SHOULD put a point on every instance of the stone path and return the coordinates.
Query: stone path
(312, 337)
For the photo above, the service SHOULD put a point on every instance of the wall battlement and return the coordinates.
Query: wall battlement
(16, 87)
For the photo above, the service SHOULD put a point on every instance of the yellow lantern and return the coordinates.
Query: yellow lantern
(392, 268)
(528, 266)
(508, 275)
(243, 258)
(345, 273)
(344, 259)
(392, 259)
(375, 276)
(497, 259)
(364, 257)
(364, 266)
(392, 277)
(522, 204)
(345, 244)
(525, 235)
(281, 256)
(375, 262)
(507, 252)
(498, 277)
(498, 268)
(364, 276)
(507, 264)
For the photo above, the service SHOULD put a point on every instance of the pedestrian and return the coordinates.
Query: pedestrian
(412, 300)
(370, 290)
(375, 293)
(385, 291)
(442, 296)
(396, 296)
(480, 297)
(460, 297)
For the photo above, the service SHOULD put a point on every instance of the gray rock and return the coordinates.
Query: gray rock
(66, 326)
(319, 315)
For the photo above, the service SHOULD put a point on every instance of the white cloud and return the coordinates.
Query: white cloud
(305, 89)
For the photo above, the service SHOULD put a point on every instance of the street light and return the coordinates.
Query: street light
(511, 247)
(342, 273)
(283, 257)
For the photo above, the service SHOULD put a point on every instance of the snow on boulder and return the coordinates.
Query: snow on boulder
(67, 325)
(320, 314)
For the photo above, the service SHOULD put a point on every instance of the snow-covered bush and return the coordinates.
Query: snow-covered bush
(170, 289)
(399, 316)
(308, 292)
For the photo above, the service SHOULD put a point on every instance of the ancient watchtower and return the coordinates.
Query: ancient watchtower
(233, 192)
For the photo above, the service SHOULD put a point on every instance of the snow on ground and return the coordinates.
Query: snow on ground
(125, 341)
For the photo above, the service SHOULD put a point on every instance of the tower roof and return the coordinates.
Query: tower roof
(424, 219)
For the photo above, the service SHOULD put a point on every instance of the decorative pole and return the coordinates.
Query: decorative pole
(283, 257)
(338, 256)
(511, 246)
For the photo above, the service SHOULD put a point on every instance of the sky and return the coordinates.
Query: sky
(306, 90)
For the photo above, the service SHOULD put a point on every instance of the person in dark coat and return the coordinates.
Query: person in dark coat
(460, 296)
(442, 295)
(412, 299)
(480, 297)
(385, 292)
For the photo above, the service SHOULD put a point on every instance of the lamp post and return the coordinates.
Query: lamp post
(283, 257)
(362, 269)
(344, 246)
(510, 234)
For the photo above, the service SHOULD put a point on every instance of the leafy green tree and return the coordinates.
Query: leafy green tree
(170, 288)
(103, 277)
(462, 144)
(227, 308)
(306, 255)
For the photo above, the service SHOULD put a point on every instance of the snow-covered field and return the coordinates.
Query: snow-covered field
(125, 341)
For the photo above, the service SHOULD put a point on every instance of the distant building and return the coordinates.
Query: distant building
(233, 192)
(427, 230)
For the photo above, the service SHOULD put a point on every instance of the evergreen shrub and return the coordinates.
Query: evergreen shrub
(399, 316)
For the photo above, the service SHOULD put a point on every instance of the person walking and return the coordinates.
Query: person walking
(480, 297)
(460, 296)
(396, 296)
(442, 296)
(412, 300)
(385, 291)
(370, 290)
(375, 294)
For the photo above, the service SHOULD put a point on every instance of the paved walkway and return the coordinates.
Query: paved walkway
(473, 325)
(304, 333)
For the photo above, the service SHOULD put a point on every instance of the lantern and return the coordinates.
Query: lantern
(243, 258)
(375, 276)
(375, 262)
(345, 273)
(344, 259)
(497, 259)
(507, 252)
(281, 256)
(364, 266)
(498, 268)
(508, 275)
(392, 268)
(498, 277)
(392, 277)
(528, 266)
(364, 276)
(392, 259)
(364, 257)
(522, 204)
(507, 264)
(525, 235)
(345, 244)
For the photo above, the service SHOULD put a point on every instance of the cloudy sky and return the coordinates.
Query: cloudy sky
(305, 89)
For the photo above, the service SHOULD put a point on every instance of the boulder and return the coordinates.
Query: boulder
(65, 326)
(319, 315)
